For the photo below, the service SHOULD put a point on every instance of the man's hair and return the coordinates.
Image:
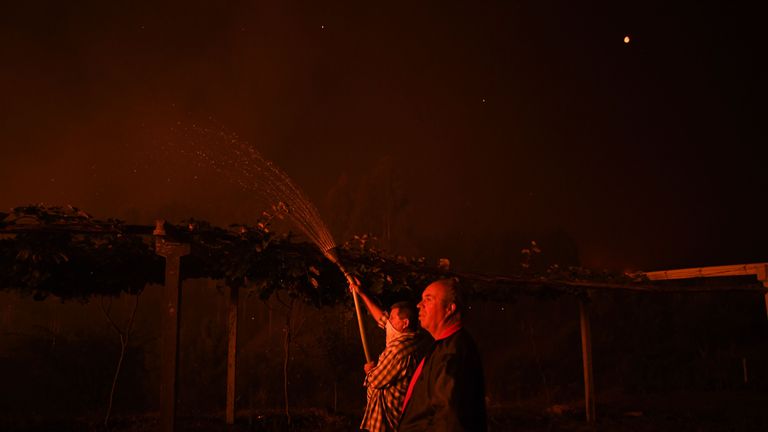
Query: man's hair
(454, 293)
(407, 310)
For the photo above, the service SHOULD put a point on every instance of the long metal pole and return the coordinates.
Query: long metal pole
(359, 313)
(362, 327)
(333, 257)
(586, 356)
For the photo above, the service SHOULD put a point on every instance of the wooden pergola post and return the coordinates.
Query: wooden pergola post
(762, 276)
(231, 352)
(765, 284)
(169, 350)
(586, 356)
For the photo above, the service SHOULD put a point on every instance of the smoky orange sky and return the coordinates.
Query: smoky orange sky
(448, 129)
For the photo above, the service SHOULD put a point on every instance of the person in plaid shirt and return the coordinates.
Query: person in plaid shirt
(386, 380)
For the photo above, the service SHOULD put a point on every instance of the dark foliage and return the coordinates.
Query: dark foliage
(66, 253)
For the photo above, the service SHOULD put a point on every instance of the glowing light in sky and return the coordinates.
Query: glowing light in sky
(626, 39)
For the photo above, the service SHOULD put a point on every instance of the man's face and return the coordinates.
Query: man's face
(432, 307)
(398, 323)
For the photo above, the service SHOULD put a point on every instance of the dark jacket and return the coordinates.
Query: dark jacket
(449, 394)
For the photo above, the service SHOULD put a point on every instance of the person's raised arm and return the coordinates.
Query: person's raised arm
(373, 308)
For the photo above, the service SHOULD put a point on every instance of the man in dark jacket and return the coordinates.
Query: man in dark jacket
(447, 391)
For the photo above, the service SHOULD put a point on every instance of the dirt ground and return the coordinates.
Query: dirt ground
(743, 410)
(680, 412)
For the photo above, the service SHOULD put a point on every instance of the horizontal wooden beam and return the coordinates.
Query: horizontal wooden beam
(521, 283)
(757, 269)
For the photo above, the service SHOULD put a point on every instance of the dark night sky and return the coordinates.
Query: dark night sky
(492, 123)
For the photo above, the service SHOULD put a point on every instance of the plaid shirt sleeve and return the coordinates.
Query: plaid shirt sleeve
(389, 367)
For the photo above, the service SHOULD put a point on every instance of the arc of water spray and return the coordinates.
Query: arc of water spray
(331, 254)
(244, 165)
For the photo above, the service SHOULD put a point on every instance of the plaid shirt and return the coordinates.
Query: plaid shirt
(388, 381)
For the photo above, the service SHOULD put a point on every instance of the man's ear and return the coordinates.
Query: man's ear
(451, 309)
(407, 323)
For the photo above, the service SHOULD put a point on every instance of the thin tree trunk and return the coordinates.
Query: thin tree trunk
(123, 344)
(537, 357)
(124, 336)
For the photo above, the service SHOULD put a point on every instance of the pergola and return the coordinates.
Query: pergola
(172, 249)
(662, 281)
